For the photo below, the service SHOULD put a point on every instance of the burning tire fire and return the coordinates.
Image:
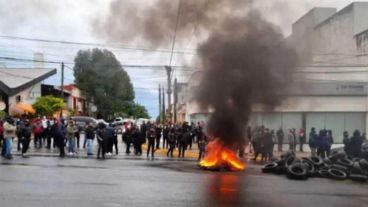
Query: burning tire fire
(220, 157)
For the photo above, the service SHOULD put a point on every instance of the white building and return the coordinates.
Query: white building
(333, 89)
(20, 87)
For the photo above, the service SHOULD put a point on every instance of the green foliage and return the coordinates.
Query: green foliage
(3, 114)
(137, 111)
(103, 81)
(48, 105)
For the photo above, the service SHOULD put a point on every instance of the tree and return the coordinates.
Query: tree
(101, 78)
(48, 105)
(137, 111)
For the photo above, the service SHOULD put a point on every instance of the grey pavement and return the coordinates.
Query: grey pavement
(52, 181)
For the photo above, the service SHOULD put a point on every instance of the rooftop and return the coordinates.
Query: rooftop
(14, 80)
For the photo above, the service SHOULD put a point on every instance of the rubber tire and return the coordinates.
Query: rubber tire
(297, 171)
(363, 164)
(337, 155)
(289, 161)
(323, 173)
(270, 168)
(327, 162)
(356, 169)
(317, 161)
(345, 162)
(310, 166)
(337, 174)
(339, 167)
(358, 178)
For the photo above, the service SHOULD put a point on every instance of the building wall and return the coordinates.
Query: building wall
(28, 95)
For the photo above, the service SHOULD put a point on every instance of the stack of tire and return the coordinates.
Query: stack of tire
(338, 166)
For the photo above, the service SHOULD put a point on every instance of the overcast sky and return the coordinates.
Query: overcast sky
(72, 20)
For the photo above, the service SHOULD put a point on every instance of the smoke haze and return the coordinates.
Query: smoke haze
(244, 58)
(246, 62)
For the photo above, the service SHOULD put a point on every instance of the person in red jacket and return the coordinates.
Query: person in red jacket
(37, 132)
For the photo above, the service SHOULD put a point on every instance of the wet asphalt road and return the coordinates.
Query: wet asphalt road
(50, 181)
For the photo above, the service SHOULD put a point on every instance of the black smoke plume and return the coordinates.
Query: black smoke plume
(244, 58)
(246, 62)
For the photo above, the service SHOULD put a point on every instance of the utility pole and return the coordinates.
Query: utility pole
(175, 98)
(168, 71)
(62, 80)
(159, 103)
(163, 105)
(62, 86)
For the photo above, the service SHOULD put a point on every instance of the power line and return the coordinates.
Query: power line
(149, 67)
(99, 45)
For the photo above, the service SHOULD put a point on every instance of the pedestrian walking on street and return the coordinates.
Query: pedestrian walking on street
(280, 139)
(313, 141)
(322, 143)
(127, 139)
(158, 136)
(77, 132)
(165, 136)
(115, 141)
(70, 134)
(356, 144)
(346, 141)
(151, 136)
(57, 131)
(9, 135)
(292, 140)
(20, 126)
(301, 139)
(89, 136)
(330, 142)
(138, 140)
(183, 138)
(26, 138)
(37, 133)
(101, 142)
(171, 142)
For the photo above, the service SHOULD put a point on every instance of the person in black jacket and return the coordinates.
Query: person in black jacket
(346, 141)
(127, 139)
(165, 136)
(151, 136)
(356, 144)
(183, 139)
(101, 142)
(26, 138)
(158, 136)
(59, 136)
(171, 140)
(48, 134)
(313, 140)
(280, 139)
(267, 145)
(138, 140)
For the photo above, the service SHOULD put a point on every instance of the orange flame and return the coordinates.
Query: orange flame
(221, 156)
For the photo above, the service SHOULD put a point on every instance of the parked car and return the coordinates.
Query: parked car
(121, 124)
(82, 121)
(102, 121)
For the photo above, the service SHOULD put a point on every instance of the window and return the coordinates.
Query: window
(18, 99)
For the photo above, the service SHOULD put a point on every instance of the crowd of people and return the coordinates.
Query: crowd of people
(263, 141)
(65, 135)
